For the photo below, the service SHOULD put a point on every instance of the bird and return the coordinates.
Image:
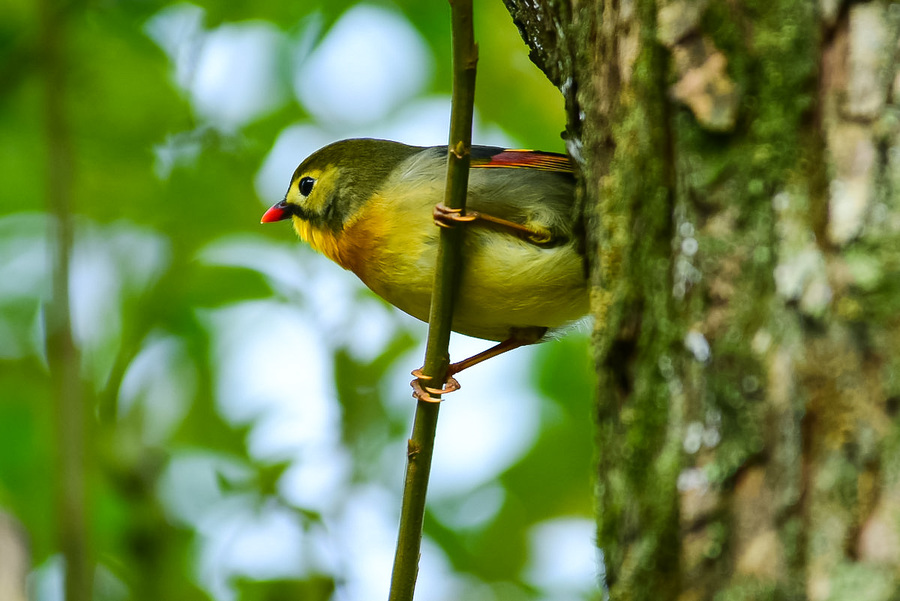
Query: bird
(371, 206)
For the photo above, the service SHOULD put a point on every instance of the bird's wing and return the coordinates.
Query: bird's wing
(527, 187)
(492, 156)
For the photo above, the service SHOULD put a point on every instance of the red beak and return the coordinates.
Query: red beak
(277, 212)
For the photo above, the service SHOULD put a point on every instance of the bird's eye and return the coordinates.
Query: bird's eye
(306, 185)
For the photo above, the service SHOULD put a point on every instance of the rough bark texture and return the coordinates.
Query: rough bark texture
(741, 184)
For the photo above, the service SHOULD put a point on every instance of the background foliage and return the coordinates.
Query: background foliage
(248, 404)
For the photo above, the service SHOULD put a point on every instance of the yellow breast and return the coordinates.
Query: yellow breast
(321, 240)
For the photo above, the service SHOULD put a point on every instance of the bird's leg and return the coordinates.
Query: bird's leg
(446, 217)
(498, 349)
(518, 337)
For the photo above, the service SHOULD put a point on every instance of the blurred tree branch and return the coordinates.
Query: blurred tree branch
(62, 355)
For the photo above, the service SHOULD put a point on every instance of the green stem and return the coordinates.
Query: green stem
(62, 354)
(421, 444)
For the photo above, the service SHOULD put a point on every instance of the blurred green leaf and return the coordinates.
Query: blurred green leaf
(146, 162)
(367, 426)
(27, 461)
(311, 589)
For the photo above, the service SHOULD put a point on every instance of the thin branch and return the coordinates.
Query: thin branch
(421, 444)
(62, 355)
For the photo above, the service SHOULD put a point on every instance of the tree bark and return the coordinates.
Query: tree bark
(740, 177)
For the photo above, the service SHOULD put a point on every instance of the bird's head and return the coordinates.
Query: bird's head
(335, 181)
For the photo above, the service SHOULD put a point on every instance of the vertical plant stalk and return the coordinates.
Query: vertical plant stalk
(421, 444)
(62, 355)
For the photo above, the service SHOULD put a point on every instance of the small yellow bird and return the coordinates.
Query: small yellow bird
(371, 206)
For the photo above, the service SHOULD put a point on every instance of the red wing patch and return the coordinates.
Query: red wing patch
(527, 159)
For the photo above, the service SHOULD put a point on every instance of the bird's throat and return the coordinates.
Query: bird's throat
(322, 240)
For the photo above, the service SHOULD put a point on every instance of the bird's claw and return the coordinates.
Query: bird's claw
(447, 217)
(428, 393)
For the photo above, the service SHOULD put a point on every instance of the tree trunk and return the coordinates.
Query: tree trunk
(741, 189)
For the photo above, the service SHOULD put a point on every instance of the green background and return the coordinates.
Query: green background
(172, 272)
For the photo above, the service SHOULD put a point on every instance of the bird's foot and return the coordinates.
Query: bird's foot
(428, 393)
(447, 217)
(444, 216)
